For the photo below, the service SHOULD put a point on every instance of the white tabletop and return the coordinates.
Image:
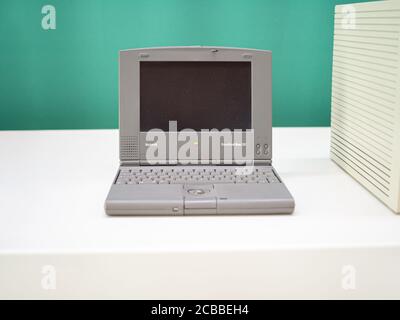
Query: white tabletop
(53, 185)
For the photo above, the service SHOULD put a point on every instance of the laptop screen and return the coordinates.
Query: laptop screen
(198, 95)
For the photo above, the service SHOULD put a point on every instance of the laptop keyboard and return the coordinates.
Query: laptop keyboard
(184, 175)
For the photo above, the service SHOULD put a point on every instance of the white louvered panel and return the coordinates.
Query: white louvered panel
(368, 109)
(385, 91)
(365, 96)
(365, 75)
(372, 21)
(368, 14)
(367, 47)
(367, 64)
(353, 39)
(365, 121)
(381, 56)
(383, 28)
(383, 141)
(362, 143)
(364, 116)
(357, 92)
(382, 165)
(371, 34)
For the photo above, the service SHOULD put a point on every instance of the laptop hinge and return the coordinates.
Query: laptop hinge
(130, 163)
(262, 162)
(145, 163)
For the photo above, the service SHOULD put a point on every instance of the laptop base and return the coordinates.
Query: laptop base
(198, 198)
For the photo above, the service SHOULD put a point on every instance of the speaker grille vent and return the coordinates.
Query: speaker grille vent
(129, 148)
(365, 101)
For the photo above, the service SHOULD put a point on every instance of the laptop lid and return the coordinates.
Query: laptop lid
(184, 92)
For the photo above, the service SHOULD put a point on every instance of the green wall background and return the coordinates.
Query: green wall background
(68, 78)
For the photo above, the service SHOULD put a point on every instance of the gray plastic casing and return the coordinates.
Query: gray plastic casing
(132, 146)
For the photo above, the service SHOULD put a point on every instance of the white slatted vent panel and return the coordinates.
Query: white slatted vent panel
(365, 96)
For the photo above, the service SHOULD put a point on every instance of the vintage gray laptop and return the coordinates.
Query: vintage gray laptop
(196, 134)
